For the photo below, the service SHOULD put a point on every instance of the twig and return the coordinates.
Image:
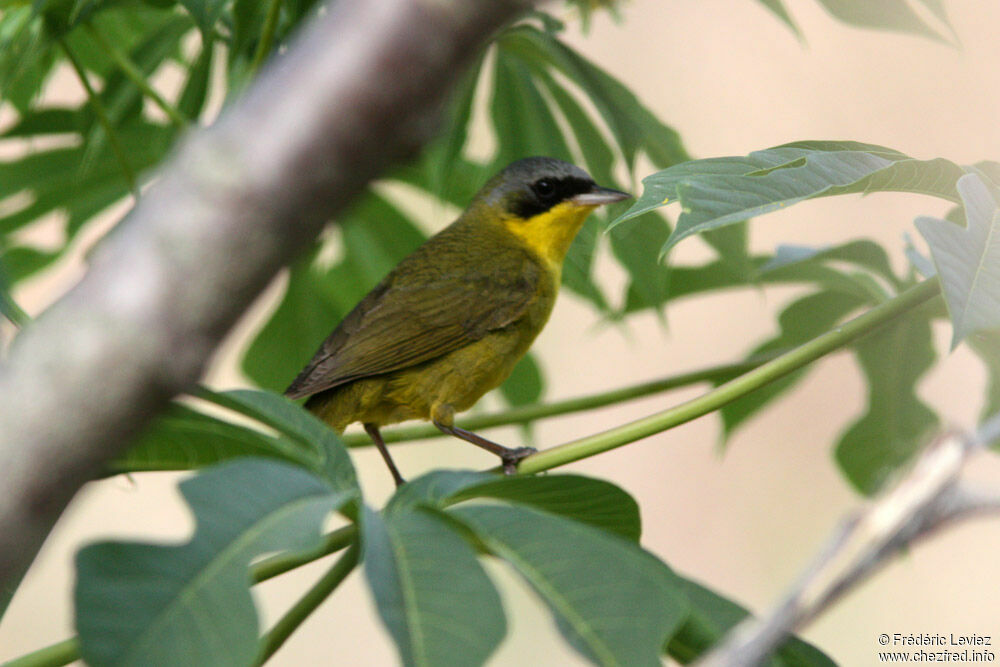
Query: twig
(525, 414)
(929, 497)
(288, 623)
(359, 90)
(776, 368)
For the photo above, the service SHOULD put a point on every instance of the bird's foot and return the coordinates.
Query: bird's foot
(512, 456)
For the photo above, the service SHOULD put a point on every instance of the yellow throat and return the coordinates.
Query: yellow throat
(550, 234)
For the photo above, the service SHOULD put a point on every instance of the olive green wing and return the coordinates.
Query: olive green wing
(409, 320)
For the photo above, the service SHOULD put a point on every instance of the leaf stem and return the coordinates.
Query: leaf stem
(306, 605)
(736, 388)
(528, 413)
(281, 563)
(266, 42)
(102, 117)
(137, 77)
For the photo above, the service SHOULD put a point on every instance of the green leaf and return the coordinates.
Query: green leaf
(896, 421)
(288, 340)
(713, 616)
(801, 321)
(634, 127)
(195, 91)
(145, 604)
(523, 121)
(919, 262)
(56, 182)
(376, 237)
(722, 191)
(432, 594)
(205, 14)
(8, 306)
(591, 501)
(50, 120)
(577, 274)
(624, 619)
(732, 244)
(525, 384)
(883, 15)
(448, 176)
(637, 247)
(185, 439)
(862, 253)
(685, 281)
(20, 262)
(295, 422)
(986, 346)
(598, 158)
(27, 56)
(120, 97)
(777, 8)
(968, 259)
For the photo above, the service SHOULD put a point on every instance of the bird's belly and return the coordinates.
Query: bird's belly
(450, 383)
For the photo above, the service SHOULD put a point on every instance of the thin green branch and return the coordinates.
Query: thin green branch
(55, 655)
(68, 650)
(332, 542)
(102, 117)
(137, 77)
(736, 388)
(306, 605)
(268, 32)
(529, 413)
(11, 310)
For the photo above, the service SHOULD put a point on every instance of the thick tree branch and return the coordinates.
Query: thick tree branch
(932, 495)
(360, 89)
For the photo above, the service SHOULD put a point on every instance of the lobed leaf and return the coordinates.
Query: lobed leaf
(777, 8)
(295, 422)
(430, 591)
(145, 604)
(205, 13)
(801, 321)
(968, 259)
(713, 616)
(722, 191)
(896, 420)
(633, 126)
(590, 501)
(886, 15)
(185, 439)
(986, 346)
(376, 237)
(620, 620)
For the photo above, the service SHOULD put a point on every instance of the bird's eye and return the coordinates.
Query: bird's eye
(544, 188)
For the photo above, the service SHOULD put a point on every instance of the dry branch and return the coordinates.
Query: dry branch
(359, 90)
(929, 497)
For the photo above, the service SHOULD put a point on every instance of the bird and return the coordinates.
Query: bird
(451, 320)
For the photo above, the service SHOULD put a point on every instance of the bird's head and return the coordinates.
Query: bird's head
(544, 201)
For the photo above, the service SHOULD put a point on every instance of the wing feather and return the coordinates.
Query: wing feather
(412, 318)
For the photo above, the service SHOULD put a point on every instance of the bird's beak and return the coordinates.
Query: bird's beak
(600, 196)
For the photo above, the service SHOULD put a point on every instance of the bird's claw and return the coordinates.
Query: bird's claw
(512, 457)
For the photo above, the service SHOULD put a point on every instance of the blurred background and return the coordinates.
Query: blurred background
(731, 79)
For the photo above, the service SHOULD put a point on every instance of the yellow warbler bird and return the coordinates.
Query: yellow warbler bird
(451, 320)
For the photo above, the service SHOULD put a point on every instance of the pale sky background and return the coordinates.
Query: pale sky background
(731, 78)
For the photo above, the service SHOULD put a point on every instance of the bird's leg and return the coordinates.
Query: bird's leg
(376, 437)
(508, 455)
